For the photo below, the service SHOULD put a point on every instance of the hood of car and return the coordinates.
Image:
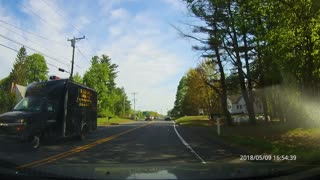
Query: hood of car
(168, 171)
(14, 115)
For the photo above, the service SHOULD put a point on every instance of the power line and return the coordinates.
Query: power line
(18, 51)
(33, 49)
(26, 38)
(8, 47)
(58, 13)
(46, 23)
(42, 37)
(27, 8)
(35, 43)
(84, 56)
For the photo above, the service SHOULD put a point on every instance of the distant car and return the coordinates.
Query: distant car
(148, 118)
(167, 118)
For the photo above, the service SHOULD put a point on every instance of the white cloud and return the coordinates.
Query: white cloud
(144, 63)
(7, 56)
(177, 5)
(119, 14)
(139, 43)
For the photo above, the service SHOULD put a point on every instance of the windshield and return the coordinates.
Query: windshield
(31, 104)
(207, 89)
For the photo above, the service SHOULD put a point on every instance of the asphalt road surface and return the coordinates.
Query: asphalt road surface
(140, 143)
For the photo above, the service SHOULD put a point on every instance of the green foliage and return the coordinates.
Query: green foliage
(97, 78)
(77, 78)
(150, 113)
(273, 46)
(181, 91)
(7, 100)
(5, 83)
(19, 73)
(101, 77)
(37, 68)
(232, 83)
(196, 91)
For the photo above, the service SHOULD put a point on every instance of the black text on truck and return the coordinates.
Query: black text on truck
(53, 109)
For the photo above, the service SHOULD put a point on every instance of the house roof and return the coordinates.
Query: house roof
(234, 98)
(21, 89)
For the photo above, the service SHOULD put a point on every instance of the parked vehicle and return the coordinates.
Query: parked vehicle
(53, 109)
(167, 118)
(148, 118)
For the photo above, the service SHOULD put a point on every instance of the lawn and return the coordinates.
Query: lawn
(194, 121)
(266, 138)
(114, 121)
(276, 139)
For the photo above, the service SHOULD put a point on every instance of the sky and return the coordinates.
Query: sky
(137, 35)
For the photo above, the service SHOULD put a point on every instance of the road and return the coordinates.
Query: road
(156, 142)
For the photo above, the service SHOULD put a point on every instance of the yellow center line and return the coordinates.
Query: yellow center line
(76, 150)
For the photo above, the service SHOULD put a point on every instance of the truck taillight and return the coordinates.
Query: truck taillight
(19, 128)
(54, 78)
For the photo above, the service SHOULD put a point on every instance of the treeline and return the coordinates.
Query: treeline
(142, 114)
(112, 100)
(194, 96)
(26, 69)
(260, 45)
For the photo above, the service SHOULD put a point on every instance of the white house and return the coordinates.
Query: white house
(237, 105)
(18, 90)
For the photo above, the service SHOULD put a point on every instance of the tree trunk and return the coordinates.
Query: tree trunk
(243, 87)
(250, 101)
(224, 96)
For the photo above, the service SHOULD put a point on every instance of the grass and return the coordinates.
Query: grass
(194, 121)
(267, 138)
(114, 121)
(277, 139)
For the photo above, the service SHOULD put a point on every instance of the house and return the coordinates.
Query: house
(237, 105)
(18, 90)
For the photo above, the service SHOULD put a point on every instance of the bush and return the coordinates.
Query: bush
(7, 101)
(104, 114)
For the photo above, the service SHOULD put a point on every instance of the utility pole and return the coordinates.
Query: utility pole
(124, 106)
(134, 105)
(73, 45)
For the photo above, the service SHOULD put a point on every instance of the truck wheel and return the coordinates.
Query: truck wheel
(35, 142)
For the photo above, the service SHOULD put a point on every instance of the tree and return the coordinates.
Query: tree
(273, 46)
(7, 99)
(112, 71)
(211, 85)
(37, 68)
(195, 92)
(101, 77)
(228, 36)
(121, 104)
(180, 94)
(77, 78)
(19, 71)
(97, 77)
(199, 95)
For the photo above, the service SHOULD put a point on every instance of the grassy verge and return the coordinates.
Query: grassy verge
(277, 140)
(114, 121)
(194, 121)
